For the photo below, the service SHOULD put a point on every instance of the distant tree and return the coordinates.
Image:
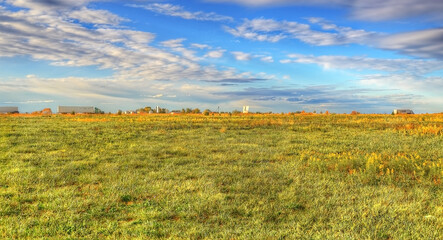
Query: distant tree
(183, 110)
(98, 111)
(236, 111)
(354, 113)
(119, 112)
(206, 112)
(196, 110)
(188, 110)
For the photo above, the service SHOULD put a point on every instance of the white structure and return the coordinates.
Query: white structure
(75, 109)
(157, 109)
(245, 109)
(8, 109)
(403, 111)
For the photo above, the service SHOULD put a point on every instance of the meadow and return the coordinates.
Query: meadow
(272, 176)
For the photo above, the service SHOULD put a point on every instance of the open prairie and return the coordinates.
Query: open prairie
(230, 177)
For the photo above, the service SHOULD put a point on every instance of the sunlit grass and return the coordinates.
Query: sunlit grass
(245, 176)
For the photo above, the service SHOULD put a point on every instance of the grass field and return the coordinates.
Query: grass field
(228, 177)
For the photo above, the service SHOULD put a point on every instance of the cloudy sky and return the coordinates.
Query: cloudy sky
(273, 55)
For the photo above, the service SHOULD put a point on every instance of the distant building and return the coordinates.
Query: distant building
(75, 109)
(245, 109)
(403, 111)
(176, 112)
(5, 110)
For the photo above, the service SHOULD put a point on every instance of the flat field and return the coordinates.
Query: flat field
(229, 177)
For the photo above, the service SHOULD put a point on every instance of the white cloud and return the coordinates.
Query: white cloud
(270, 30)
(201, 46)
(406, 75)
(330, 97)
(216, 53)
(86, 15)
(179, 11)
(257, 3)
(374, 10)
(49, 5)
(130, 54)
(379, 10)
(405, 82)
(176, 45)
(241, 56)
(267, 59)
(412, 66)
(173, 43)
(31, 102)
(424, 43)
(157, 96)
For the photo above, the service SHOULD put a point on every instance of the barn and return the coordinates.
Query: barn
(75, 109)
(4, 110)
(403, 111)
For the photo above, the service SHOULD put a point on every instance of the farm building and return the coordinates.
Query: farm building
(75, 109)
(403, 111)
(8, 110)
(176, 112)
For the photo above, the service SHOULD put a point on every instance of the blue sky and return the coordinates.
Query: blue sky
(273, 55)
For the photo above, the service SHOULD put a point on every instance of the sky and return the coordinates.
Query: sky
(272, 55)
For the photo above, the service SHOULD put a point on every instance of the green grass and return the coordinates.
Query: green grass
(241, 177)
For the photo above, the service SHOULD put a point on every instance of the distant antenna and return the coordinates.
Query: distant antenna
(218, 109)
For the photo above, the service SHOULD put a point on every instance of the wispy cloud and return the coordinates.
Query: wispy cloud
(407, 75)
(179, 11)
(30, 102)
(86, 15)
(267, 59)
(49, 5)
(216, 53)
(405, 82)
(411, 66)
(270, 30)
(375, 10)
(200, 46)
(129, 53)
(424, 43)
(237, 80)
(241, 56)
(325, 97)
